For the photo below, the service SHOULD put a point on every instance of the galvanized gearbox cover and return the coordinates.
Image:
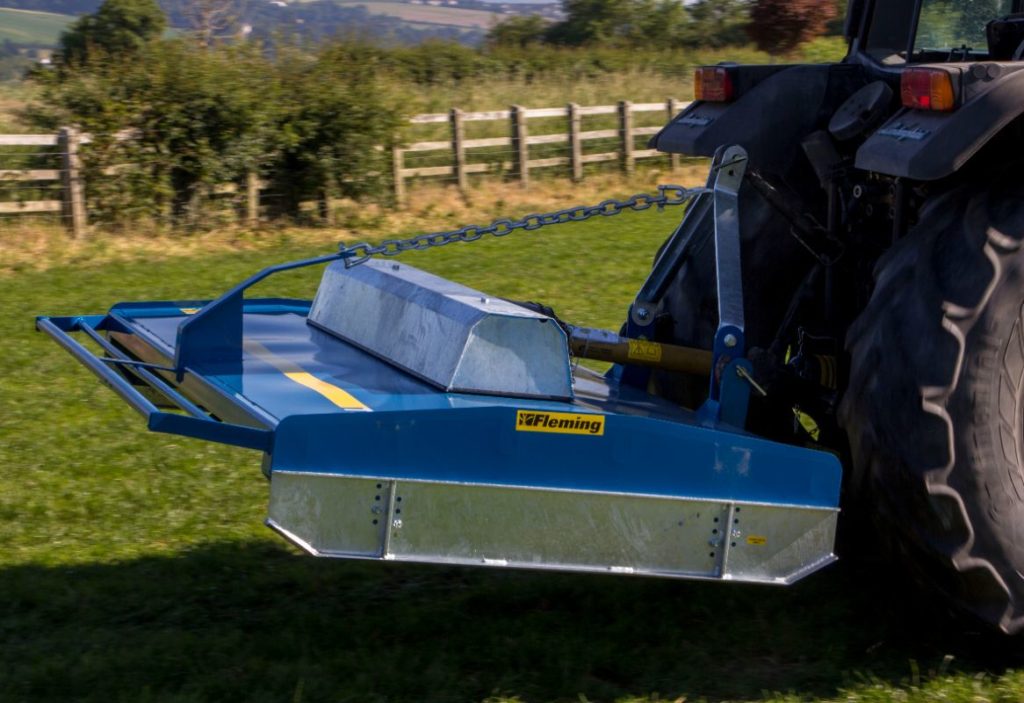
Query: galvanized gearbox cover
(451, 336)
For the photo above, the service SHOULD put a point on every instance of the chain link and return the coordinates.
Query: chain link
(667, 195)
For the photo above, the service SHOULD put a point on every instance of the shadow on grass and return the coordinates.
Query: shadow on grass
(255, 622)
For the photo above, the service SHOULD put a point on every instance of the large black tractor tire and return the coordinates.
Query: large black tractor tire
(934, 409)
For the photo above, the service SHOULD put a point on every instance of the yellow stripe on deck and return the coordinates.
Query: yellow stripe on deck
(342, 398)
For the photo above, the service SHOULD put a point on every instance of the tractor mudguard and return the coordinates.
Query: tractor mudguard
(769, 119)
(927, 146)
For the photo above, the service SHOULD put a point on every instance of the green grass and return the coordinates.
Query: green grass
(30, 27)
(134, 567)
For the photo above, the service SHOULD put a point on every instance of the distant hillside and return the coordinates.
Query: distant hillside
(322, 19)
(422, 13)
(39, 22)
(31, 28)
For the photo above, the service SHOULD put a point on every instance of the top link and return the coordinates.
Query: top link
(667, 195)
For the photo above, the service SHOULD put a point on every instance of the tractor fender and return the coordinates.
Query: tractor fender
(927, 146)
(769, 119)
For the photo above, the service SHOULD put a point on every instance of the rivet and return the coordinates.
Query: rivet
(730, 340)
(397, 524)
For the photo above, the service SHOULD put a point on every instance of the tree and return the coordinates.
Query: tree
(197, 119)
(517, 30)
(335, 111)
(211, 19)
(717, 23)
(117, 28)
(650, 23)
(779, 26)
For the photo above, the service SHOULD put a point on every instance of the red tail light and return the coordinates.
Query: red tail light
(927, 89)
(713, 83)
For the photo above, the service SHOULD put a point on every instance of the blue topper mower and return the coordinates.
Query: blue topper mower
(408, 418)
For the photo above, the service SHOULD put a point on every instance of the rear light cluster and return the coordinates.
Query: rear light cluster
(927, 89)
(714, 84)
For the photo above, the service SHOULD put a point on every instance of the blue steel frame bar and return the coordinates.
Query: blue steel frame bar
(138, 368)
(215, 332)
(198, 424)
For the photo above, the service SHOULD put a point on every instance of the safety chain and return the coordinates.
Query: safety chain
(667, 195)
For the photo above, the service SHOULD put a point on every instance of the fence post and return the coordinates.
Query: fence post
(73, 197)
(672, 105)
(458, 150)
(252, 198)
(575, 146)
(397, 177)
(522, 149)
(324, 205)
(626, 136)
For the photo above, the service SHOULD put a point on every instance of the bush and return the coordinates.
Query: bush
(335, 126)
(202, 117)
(194, 119)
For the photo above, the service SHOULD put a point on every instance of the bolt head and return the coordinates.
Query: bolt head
(643, 313)
(730, 340)
(397, 523)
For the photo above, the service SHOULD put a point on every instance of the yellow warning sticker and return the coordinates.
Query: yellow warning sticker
(190, 311)
(808, 423)
(644, 351)
(560, 423)
(757, 540)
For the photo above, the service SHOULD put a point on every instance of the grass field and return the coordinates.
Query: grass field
(29, 27)
(134, 567)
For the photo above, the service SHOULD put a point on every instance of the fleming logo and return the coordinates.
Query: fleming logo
(561, 423)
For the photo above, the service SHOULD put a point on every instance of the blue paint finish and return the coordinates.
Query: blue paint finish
(735, 393)
(215, 331)
(634, 455)
(413, 431)
(202, 427)
(211, 431)
(723, 355)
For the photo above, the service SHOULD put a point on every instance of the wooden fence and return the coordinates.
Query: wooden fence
(520, 140)
(72, 205)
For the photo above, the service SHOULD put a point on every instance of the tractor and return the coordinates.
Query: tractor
(836, 320)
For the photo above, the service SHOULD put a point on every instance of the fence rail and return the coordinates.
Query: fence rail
(72, 205)
(520, 140)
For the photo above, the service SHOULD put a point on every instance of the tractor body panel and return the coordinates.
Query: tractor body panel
(768, 119)
(927, 146)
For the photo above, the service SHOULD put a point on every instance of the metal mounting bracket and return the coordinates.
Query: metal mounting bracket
(729, 339)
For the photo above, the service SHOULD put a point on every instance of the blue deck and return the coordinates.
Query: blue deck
(335, 409)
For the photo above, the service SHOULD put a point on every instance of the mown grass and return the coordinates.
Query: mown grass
(134, 567)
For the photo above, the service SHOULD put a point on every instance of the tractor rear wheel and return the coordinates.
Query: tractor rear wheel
(934, 409)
